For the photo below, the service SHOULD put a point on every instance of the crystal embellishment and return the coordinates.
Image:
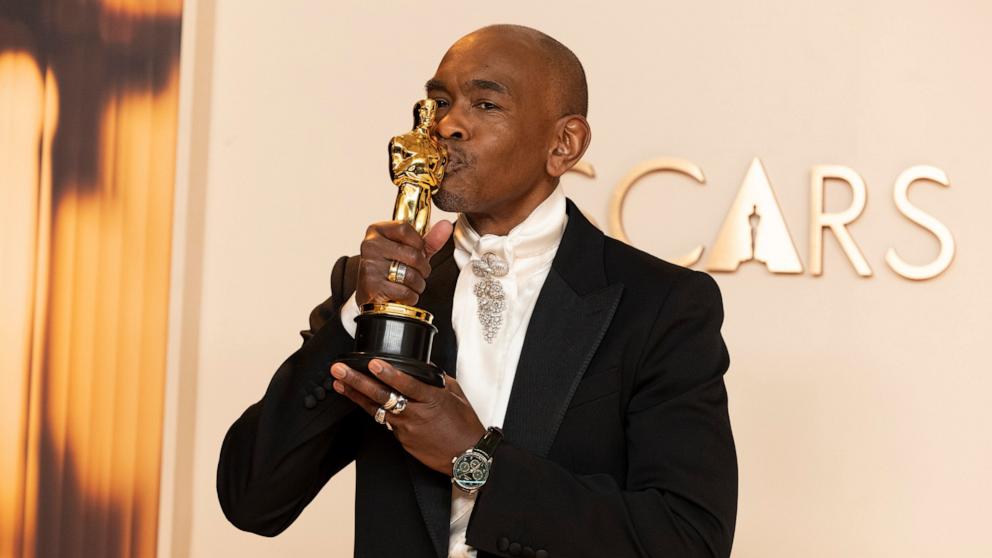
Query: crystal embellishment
(490, 293)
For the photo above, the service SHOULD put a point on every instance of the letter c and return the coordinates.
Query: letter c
(660, 164)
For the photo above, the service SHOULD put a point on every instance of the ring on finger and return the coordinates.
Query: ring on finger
(393, 400)
(400, 406)
(397, 272)
(380, 415)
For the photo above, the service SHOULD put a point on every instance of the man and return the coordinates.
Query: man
(602, 364)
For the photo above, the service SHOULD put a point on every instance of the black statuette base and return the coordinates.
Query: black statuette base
(403, 342)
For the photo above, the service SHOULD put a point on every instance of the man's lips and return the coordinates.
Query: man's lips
(457, 160)
(454, 164)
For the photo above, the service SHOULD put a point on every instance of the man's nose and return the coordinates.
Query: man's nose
(451, 126)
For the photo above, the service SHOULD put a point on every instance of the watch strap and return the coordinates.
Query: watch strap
(489, 441)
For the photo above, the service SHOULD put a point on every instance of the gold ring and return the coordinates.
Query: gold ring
(397, 272)
(399, 407)
(393, 400)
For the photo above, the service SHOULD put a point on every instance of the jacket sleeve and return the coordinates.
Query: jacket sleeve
(679, 498)
(284, 448)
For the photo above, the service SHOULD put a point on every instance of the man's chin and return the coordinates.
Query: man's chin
(450, 200)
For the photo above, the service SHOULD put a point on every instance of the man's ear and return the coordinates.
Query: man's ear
(572, 137)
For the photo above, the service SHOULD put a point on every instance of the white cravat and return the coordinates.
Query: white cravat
(486, 369)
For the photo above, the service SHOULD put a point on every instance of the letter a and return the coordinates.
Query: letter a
(754, 229)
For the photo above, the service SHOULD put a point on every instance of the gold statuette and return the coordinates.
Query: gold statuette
(399, 334)
(416, 166)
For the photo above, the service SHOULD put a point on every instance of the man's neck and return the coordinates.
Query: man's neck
(502, 221)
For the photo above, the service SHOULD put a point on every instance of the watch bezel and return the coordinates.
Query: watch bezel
(470, 485)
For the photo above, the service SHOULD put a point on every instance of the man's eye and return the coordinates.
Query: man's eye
(486, 105)
(441, 103)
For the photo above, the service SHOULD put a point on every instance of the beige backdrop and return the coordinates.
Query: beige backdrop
(860, 406)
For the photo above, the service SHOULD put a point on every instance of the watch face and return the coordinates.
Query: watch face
(471, 471)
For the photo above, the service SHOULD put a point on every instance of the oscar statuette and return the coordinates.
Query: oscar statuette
(396, 333)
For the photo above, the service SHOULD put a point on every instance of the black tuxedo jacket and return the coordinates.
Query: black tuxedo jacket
(617, 440)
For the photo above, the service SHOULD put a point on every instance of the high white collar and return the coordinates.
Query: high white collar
(538, 234)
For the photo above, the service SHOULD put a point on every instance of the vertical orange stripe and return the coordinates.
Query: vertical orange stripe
(94, 336)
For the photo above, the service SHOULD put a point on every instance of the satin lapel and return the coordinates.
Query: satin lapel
(437, 299)
(562, 337)
(572, 314)
(433, 490)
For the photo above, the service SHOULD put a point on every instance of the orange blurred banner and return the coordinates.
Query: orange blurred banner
(88, 111)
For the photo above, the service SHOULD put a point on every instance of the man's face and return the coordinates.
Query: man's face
(496, 120)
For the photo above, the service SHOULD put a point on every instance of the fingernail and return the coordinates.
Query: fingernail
(338, 387)
(375, 366)
(338, 372)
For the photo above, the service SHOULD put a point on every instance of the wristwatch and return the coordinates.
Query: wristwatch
(470, 470)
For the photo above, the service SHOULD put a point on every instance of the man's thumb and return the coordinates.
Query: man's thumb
(436, 238)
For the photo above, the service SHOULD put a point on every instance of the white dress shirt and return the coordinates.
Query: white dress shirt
(486, 369)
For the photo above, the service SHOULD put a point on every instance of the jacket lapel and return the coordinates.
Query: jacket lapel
(437, 299)
(432, 489)
(572, 314)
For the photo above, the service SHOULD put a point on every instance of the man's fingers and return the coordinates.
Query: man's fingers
(414, 281)
(407, 385)
(436, 238)
(401, 232)
(452, 384)
(380, 268)
(374, 286)
(353, 380)
(394, 292)
(384, 249)
(396, 241)
(357, 397)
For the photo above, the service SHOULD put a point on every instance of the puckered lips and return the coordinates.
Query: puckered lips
(456, 162)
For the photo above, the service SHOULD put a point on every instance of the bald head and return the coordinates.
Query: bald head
(512, 107)
(565, 75)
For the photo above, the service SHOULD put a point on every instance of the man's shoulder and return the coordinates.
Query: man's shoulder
(651, 279)
(633, 267)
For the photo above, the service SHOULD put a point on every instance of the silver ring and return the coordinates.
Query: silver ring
(397, 272)
(393, 399)
(400, 405)
(380, 415)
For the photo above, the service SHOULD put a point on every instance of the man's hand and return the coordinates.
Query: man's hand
(438, 423)
(396, 240)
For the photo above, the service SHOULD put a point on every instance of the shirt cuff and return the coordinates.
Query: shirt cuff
(349, 312)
